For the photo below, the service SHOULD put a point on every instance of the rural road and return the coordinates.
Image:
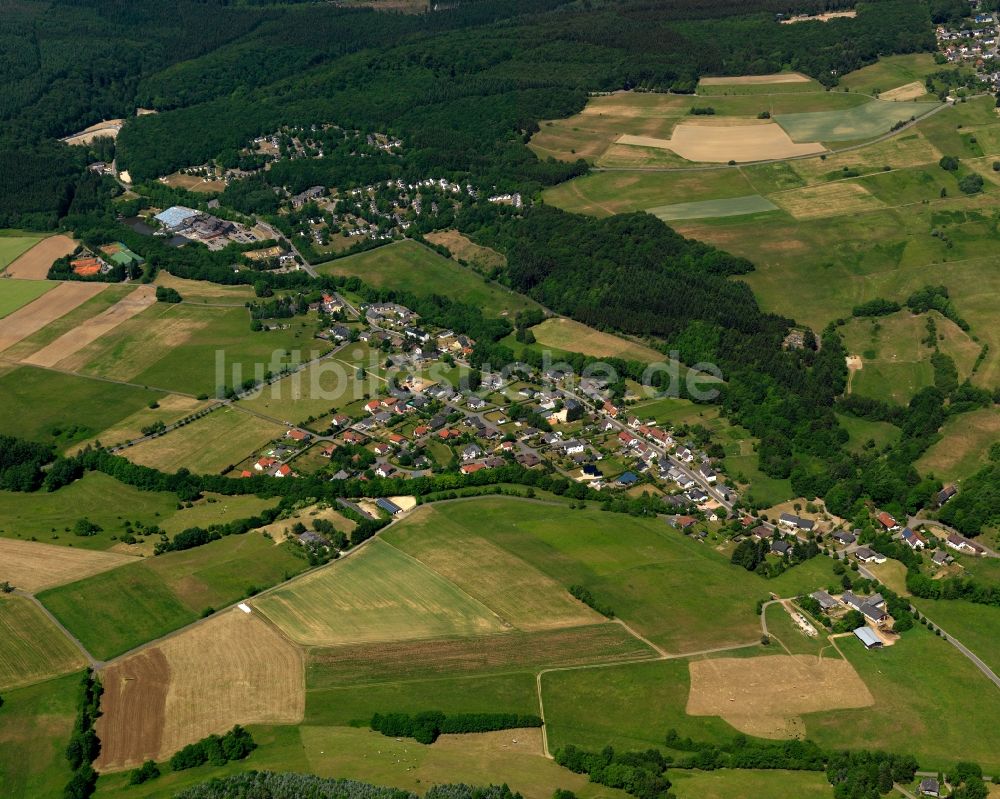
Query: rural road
(986, 670)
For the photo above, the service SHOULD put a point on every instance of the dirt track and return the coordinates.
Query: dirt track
(47, 308)
(34, 264)
(75, 340)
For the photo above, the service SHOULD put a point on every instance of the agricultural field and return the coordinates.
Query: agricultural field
(32, 648)
(867, 121)
(195, 684)
(720, 140)
(50, 516)
(314, 391)
(32, 566)
(15, 242)
(87, 406)
(889, 73)
(710, 209)
(115, 612)
(203, 292)
(410, 267)
(974, 625)
(570, 336)
(28, 319)
(964, 445)
(29, 256)
(17, 294)
(377, 594)
(209, 445)
(726, 784)
(35, 724)
(168, 410)
(462, 248)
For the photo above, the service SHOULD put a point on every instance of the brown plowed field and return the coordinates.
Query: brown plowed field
(35, 263)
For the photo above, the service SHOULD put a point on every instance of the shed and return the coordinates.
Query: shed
(388, 506)
(868, 638)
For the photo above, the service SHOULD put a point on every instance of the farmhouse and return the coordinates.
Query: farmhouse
(826, 602)
(868, 638)
(960, 544)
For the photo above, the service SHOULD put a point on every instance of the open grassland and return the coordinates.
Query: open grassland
(867, 121)
(569, 336)
(743, 784)
(63, 352)
(32, 566)
(17, 294)
(169, 409)
(209, 445)
(31, 318)
(313, 391)
(896, 361)
(410, 267)
(377, 594)
(890, 72)
(964, 445)
(29, 257)
(234, 668)
(831, 199)
(35, 726)
(929, 701)
(767, 696)
(74, 408)
(628, 706)
(216, 509)
(976, 626)
(861, 431)
(32, 648)
(203, 292)
(15, 242)
(399, 662)
(114, 612)
(462, 248)
(519, 594)
(658, 581)
(50, 516)
(908, 150)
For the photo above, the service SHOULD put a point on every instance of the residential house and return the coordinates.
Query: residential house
(574, 447)
(929, 787)
(283, 471)
(472, 468)
(382, 449)
(298, 435)
(707, 473)
(683, 522)
(528, 459)
(941, 558)
(782, 548)
(385, 470)
(960, 544)
(844, 538)
(762, 532)
(628, 479)
(944, 495)
(471, 452)
(264, 464)
(914, 539)
(887, 521)
(866, 555)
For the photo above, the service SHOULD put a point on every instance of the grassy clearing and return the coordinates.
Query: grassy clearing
(929, 701)
(462, 248)
(114, 612)
(569, 336)
(862, 431)
(14, 243)
(16, 294)
(215, 509)
(866, 121)
(726, 784)
(378, 594)
(201, 291)
(50, 517)
(35, 725)
(733, 206)
(964, 445)
(74, 409)
(210, 445)
(409, 266)
(32, 648)
(889, 72)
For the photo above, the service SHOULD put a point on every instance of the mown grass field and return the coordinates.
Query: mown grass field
(119, 610)
(170, 409)
(976, 626)
(35, 726)
(377, 594)
(569, 336)
(74, 408)
(712, 209)
(929, 701)
(742, 784)
(209, 445)
(861, 431)
(963, 448)
(314, 391)
(16, 294)
(50, 516)
(14, 243)
(411, 267)
(866, 121)
(32, 648)
(889, 72)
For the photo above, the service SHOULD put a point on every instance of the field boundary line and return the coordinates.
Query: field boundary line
(94, 663)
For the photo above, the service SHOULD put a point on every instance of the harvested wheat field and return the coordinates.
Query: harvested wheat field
(33, 566)
(35, 263)
(753, 80)
(32, 648)
(721, 140)
(232, 669)
(767, 696)
(47, 308)
(75, 340)
(830, 199)
(908, 91)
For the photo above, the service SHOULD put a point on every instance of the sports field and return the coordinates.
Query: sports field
(964, 445)
(32, 648)
(231, 669)
(411, 267)
(853, 124)
(706, 209)
(377, 594)
(50, 516)
(570, 336)
(119, 610)
(208, 445)
(17, 294)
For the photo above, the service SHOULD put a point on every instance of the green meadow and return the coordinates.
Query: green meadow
(16, 294)
(14, 243)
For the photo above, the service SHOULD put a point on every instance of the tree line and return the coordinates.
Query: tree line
(427, 726)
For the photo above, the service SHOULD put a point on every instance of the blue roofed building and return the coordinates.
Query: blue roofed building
(176, 216)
